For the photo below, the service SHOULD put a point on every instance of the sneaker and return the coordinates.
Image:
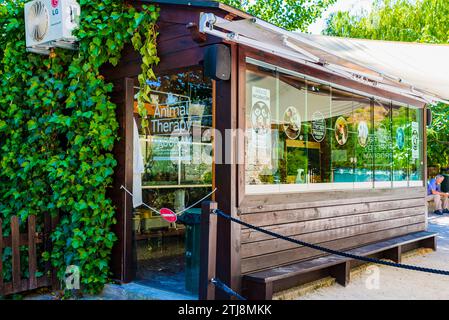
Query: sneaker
(446, 211)
(438, 212)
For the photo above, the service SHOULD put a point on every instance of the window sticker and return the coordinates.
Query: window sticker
(292, 123)
(363, 131)
(261, 125)
(415, 140)
(341, 131)
(318, 126)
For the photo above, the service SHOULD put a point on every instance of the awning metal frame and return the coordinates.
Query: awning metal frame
(216, 26)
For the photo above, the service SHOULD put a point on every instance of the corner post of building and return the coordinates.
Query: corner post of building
(424, 170)
(208, 251)
(228, 233)
(122, 262)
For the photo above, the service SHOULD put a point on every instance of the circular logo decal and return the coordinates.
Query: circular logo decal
(260, 117)
(363, 133)
(400, 138)
(415, 139)
(292, 123)
(341, 131)
(318, 126)
(54, 3)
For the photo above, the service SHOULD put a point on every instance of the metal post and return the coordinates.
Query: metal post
(208, 250)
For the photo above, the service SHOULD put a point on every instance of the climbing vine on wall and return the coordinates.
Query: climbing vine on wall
(58, 128)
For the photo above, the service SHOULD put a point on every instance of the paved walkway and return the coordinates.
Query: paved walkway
(382, 282)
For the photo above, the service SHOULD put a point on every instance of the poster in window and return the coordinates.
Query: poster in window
(318, 126)
(415, 140)
(292, 123)
(341, 131)
(260, 146)
(362, 131)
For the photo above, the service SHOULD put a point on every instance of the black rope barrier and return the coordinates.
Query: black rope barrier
(330, 251)
(220, 285)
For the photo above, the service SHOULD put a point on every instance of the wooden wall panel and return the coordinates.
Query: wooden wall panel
(338, 222)
(286, 257)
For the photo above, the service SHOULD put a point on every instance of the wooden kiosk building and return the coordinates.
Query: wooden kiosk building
(321, 149)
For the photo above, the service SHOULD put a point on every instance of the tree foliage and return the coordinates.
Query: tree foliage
(58, 127)
(289, 14)
(424, 21)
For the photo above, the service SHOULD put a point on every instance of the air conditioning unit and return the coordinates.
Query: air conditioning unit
(50, 23)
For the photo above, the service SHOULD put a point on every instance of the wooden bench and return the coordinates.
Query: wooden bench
(261, 285)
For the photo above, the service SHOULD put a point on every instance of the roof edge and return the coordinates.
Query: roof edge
(204, 4)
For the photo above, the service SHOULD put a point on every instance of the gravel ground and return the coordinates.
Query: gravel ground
(382, 282)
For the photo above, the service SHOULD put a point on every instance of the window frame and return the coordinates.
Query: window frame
(252, 56)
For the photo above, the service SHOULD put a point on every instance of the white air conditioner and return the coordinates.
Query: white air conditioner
(50, 23)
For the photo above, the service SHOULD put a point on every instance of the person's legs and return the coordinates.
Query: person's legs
(445, 204)
(438, 202)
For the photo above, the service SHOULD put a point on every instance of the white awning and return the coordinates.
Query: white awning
(420, 71)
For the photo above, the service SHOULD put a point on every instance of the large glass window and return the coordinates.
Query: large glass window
(304, 135)
(176, 154)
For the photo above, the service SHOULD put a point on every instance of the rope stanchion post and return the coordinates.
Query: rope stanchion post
(208, 250)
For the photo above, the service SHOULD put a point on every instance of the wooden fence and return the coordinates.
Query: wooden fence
(29, 239)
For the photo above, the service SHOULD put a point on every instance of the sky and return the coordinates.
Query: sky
(340, 5)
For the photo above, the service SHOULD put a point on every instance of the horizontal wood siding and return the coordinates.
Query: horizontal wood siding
(336, 223)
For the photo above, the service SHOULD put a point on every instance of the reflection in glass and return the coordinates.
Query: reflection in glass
(416, 150)
(401, 145)
(318, 129)
(383, 151)
(303, 135)
(177, 153)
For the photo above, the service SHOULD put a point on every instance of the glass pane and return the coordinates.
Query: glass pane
(176, 151)
(383, 156)
(344, 137)
(363, 127)
(261, 120)
(416, 142)
(292, 142)
(318, 128)
(401, 146)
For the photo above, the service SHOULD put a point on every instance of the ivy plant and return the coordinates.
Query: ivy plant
(58, 127)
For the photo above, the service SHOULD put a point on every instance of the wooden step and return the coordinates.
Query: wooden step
(262, 284)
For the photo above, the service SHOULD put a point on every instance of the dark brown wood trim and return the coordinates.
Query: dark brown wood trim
(15, 235)
(241, 115)
(32, 266)
(228, 253)
(128, 261)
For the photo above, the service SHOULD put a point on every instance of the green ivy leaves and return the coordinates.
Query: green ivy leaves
(58, 127)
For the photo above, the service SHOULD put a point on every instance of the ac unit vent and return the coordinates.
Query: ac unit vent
(38, 20)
